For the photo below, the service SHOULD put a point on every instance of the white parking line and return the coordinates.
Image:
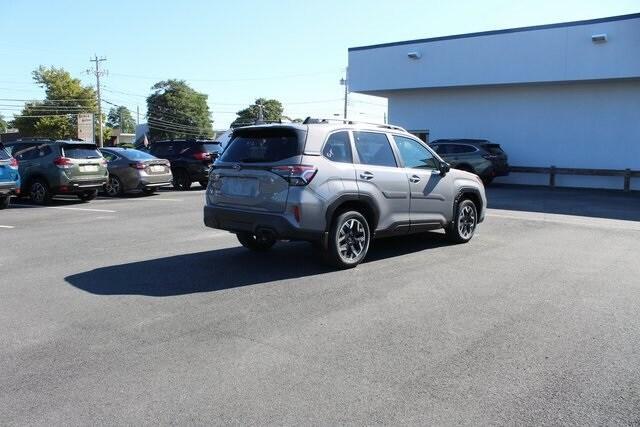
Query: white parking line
(80, 209)
(7, 226)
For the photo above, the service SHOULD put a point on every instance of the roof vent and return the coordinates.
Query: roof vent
(599, 38)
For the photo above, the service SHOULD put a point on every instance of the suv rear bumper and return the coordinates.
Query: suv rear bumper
(7, 188)
(239, 221)
(77, 186)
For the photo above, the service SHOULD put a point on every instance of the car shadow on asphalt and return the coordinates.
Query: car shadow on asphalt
(234, 267)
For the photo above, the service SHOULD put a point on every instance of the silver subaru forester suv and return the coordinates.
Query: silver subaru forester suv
(338, 184)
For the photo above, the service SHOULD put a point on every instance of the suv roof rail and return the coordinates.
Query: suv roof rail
(318, 120)
(45, 139)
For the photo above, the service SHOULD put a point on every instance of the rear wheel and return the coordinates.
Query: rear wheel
(464, 224)
(88, 195)
(4, 202)
(256, 243)
(181, 180)
(203, 184)
(113, 187)
(349, 240)
(39, 192)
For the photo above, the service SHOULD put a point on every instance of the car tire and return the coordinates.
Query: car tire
(39, 192)
(88, 195)
(464, 223)
(203, 184)
(113, 187)
(255, 243)
(148, 191)
(181, 180)
(4, 202)
(349, 239)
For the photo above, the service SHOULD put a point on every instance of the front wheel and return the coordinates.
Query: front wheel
(464, 223)
(88, 195)
(4, 202)
(113, 187)
(260, 243)
(349, 240)
(39, 192)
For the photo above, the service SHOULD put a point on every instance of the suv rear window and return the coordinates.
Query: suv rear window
(80, 151)
(493, 148)
(263, 145)
(3, 154)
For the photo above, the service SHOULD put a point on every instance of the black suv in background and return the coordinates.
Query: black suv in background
(479, 156)
(190, 159)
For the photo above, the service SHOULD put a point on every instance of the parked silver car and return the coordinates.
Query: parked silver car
(135, 170)
(338, 184)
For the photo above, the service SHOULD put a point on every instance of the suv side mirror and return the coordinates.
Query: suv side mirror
(444, 168)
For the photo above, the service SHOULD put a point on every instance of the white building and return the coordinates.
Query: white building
(565, 94)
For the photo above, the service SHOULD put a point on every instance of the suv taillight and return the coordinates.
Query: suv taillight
(201, 155)
(298, 175)
(13, 163)
(63, 162)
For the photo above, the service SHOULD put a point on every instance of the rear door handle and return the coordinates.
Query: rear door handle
(414, 179)
(366, 175)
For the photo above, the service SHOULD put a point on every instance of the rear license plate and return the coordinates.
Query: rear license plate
(156, 168)
(246, 187)
(89, 168)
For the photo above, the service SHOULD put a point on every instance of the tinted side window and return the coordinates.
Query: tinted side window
(440, 149)
(4, 155)
(460, 149)
(109, 156)
(414, 154)
(374, 149)
(160, 149)
(338, 148)
(26, 152)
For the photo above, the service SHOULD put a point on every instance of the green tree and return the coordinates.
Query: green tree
(271, 111)
(120, 117)
(55, 116)
(3, 124)
(175, 110)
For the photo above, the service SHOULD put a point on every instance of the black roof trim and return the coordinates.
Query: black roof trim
(506, 31)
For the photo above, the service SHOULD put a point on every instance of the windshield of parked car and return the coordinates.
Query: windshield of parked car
(80, 151)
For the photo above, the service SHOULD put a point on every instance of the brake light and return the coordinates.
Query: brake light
(201, 155)
(63, 162)
(298, 175)
(13, 163)
(137, 165)
(103, 162)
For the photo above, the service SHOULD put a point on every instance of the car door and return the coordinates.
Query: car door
(25, 154)
(431, 193)
(379, 176)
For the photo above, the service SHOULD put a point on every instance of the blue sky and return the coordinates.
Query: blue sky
(236, 51)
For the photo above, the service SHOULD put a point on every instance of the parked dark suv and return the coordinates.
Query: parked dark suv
(49, 167)
(479, 156)
(190, 160)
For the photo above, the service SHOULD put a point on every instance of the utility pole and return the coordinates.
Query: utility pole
(98, 73)
(345, 83)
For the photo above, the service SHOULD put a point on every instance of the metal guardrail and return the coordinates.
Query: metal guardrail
(552, 171)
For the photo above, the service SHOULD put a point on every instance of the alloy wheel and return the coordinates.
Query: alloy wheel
(38, 192)
(113, 187)
(352, 240)
(466, 221)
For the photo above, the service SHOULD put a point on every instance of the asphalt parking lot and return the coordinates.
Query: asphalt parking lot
(130, 311)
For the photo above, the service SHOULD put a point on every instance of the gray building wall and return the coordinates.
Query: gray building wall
(580, 125)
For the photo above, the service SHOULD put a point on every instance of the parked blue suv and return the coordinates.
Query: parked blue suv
(9, 177)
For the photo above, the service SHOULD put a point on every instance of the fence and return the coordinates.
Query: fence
(552, 171)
